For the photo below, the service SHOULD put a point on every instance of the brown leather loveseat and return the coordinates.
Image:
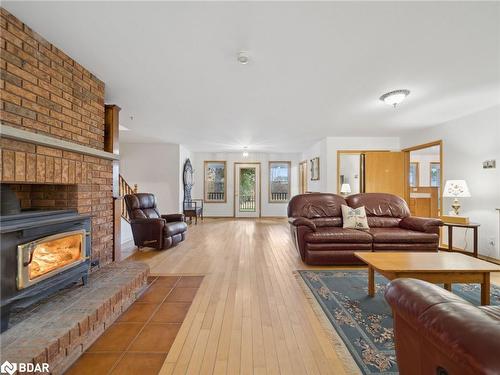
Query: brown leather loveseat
(316, 225)
(437, 332)
(149, 227)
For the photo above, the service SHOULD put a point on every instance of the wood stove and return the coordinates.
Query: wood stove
(40, 253)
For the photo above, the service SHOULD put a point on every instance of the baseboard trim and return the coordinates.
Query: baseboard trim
(217, 217)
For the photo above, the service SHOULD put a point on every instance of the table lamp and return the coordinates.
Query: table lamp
(456, 189)
(345, 189)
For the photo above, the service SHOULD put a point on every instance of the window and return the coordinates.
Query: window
(414, 174)
(279, 181)
(215, 181)
(435, 174)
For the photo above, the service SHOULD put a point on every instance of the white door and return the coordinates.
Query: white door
(247, 190)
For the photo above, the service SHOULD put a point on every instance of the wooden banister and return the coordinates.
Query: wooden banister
(124, 189)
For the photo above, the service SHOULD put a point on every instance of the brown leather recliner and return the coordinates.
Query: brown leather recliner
(149, 227)
(437, 332)
(316, 226)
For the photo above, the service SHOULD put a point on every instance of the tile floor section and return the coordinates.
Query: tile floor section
(139, 341)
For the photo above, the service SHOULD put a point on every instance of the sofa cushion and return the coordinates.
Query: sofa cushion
(336, 234)
(399, 235)
(327, 221)
(315, 205)
(174, 228)
(382, 210)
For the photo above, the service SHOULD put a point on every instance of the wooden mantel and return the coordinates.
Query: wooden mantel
(7, 131)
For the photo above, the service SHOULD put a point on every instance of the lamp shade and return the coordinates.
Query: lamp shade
(345, 189)
(456, 189)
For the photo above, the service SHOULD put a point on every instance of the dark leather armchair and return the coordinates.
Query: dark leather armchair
(149, 227)
(437, 332)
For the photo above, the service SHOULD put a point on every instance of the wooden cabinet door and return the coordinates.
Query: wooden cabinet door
(385, 173)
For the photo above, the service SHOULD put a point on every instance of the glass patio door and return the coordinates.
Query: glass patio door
(247, 191)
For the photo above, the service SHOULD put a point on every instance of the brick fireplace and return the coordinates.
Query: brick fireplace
(63, 164)
(50, 178)
(59, 146)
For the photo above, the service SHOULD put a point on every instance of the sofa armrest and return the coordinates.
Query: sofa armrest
(464, 333)
(173, 217)
(421, 224)
(298, 221)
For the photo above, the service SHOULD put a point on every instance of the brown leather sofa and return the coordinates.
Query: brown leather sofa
(316, 226)
(149, 227)
(437, 332)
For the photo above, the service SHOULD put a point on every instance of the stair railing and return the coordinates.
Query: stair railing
(124, 189)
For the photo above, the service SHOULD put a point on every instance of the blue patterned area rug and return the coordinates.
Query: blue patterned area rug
(365, 324)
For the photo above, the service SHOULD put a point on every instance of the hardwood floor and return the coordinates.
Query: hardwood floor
(250, 315)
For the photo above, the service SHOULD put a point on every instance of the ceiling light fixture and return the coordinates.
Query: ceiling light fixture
(243, 57)
(123, 128)
(245, 152)
(395, 97)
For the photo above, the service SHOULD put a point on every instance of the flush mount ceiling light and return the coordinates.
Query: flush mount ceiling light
(245, 152)
(395, 97)
(243, 57)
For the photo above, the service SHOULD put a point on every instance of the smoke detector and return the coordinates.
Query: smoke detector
(243, 57)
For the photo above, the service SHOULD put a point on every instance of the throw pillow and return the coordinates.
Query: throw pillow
(354, 218)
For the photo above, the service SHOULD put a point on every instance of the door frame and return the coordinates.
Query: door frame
(407, 167)
(441, 187)
(303, 184)
(352, 152)
(259, 187)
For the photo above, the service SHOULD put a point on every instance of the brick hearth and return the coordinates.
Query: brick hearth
(61, 328)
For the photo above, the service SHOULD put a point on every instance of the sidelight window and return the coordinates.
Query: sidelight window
(279, 181)
(215, 181)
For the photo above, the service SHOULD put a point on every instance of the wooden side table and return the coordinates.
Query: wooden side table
(473, 226)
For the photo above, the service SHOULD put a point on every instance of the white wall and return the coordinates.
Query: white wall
(327, 149)
(467, 142)
(319, 149)
(126, 231)
(154, 167)
(227, 209)
(335, 144)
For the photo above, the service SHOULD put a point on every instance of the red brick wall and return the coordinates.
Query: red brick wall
(46, 91)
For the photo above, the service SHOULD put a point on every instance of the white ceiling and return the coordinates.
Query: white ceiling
(316, 70)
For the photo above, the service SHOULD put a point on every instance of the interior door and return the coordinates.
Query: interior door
(247, 190)
(385, 173)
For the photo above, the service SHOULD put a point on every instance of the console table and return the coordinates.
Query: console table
(473, 226)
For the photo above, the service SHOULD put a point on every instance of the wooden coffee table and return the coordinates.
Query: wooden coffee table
(442, 267)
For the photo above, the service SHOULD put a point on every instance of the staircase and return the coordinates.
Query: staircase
(124, 189)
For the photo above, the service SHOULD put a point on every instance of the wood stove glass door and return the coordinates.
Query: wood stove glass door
(40, 259)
